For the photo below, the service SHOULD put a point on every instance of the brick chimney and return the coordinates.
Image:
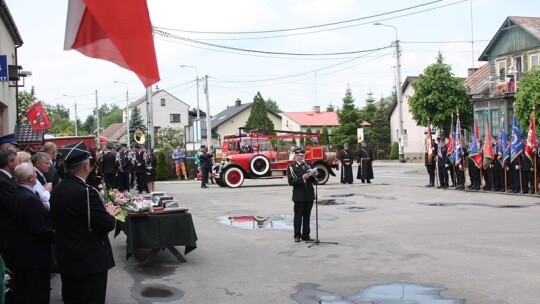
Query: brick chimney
(237, 103)
(317, 109)
(471, 71)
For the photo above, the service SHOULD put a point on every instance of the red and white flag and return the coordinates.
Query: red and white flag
(38, 117)
(118, 31)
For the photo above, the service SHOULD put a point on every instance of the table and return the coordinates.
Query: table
(160, 231)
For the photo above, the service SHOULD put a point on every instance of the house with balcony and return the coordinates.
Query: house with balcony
(514, 50)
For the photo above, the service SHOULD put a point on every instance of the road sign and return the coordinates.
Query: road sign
(3, 68)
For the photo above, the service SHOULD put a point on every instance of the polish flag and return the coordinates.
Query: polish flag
(118, 31)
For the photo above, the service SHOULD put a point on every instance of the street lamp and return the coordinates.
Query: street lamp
(198, 111)
(76, 128)
(398, 89)
(127, 110)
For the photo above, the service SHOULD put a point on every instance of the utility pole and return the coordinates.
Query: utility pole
(76, 128)
(208, 127)
(97, 123)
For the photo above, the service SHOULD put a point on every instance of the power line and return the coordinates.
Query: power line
(169, 35)
(304, 27)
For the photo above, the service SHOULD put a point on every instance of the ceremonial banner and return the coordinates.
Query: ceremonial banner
(488, 150)
(38, 116)
(517, 146)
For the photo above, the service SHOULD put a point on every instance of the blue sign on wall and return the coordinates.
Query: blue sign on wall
(3, 68)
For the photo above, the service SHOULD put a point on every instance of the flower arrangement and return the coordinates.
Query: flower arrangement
(126, 201)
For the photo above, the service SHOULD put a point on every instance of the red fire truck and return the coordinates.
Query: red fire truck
(256, 155)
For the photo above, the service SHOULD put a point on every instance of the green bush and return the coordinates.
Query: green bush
(163, 170)
(394, 151)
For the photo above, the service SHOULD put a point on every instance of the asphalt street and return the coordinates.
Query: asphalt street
(398, 242)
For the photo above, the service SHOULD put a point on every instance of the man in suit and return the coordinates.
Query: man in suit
(206, 165)
(125, 170)
(82, 223)
(302, 178)
(109, 166)
(441, 164)
(52, 175)
(7, 188)
(33, 238)
(42, 163)
(140, 168)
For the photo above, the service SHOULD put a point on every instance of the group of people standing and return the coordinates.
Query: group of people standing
(46, 201)
(364, 159)
(121, 168)
(505, 174)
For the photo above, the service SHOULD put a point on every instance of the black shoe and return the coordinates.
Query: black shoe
(363, 181)
(368, 182)
(297, 239)
(445, 187)
(307, 239)
(429, 185)
(439, 186)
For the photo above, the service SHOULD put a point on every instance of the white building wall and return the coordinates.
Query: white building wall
(414, 145)
(8, 103)
(162, 114)
(231, 126)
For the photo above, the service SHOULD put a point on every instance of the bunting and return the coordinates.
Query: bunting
(516, 147)
(530, 149)
(459, 151)
(488, 150)
(503, 145)
(450, 151)
(474, 152)
(429, 140)
(38, 116)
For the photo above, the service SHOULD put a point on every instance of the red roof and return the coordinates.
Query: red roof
(313, 118)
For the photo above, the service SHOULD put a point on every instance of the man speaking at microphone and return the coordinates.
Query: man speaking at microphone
(302, 177)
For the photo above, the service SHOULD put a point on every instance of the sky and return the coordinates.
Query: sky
(295, 82)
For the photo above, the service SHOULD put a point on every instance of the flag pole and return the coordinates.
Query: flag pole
(520, 175)
(535, 157)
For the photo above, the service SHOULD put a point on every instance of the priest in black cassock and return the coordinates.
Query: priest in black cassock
(346, 157)
(365, 158)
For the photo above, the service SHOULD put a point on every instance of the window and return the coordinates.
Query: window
(516, 62)
(175, 118)
(533, 61)
(501, 70)
(162, 102)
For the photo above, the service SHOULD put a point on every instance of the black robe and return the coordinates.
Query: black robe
(346, 158)
(365, 168)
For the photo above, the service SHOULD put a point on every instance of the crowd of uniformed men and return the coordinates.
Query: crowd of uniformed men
(517, 174)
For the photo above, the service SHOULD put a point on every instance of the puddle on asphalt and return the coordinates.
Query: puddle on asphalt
(398, 293)
(359, 209)
(327, 202)
(343, 195)
(156, 293)
(443, 204)
(379, 197)
(271, 222)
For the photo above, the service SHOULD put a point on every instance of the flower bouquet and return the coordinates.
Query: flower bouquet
(126, 201)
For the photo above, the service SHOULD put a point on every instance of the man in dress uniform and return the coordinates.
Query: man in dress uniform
(346, 157)
(82, 223)
(441, 164)
(109, 166)
(125, 170)
(302, 177)
(140, 169)
(430, 163)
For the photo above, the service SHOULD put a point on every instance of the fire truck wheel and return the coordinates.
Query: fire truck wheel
(233, 177)
(259, 165)
(323, 175)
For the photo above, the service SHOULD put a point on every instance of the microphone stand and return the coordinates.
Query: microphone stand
(317, 241)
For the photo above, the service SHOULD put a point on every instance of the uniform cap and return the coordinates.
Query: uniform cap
(300, 151)
(75, 153)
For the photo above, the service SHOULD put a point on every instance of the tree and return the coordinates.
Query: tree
(308, 141)
(59, 118)
(25, 100)
(325, 138)
(258, 118)
(169, 137)
(379, 134)
(394, 151)
(348, 118)
(272, 106)
(110, 118)
(438, 94)
(162, 170)
(330, 108)
(528, 96)
(89, 124)
(136, 122)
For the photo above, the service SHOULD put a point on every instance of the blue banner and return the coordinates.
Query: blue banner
(517, 145)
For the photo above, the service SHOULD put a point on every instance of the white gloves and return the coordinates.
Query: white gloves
(460, 167)
(517, 167)
(446, 166)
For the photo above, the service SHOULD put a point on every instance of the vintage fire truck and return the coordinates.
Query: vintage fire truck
(257, 155)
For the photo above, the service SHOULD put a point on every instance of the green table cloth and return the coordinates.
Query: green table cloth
(159, 231)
